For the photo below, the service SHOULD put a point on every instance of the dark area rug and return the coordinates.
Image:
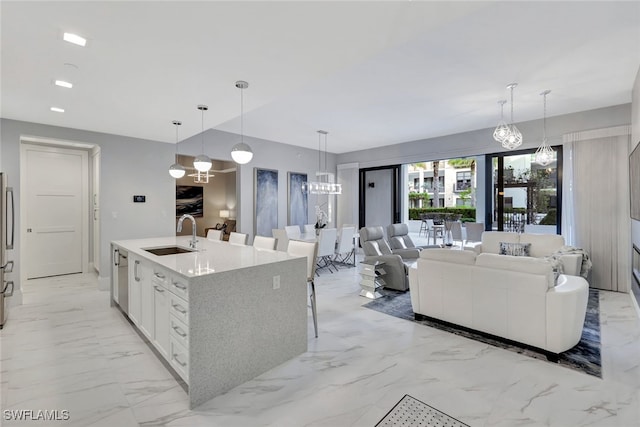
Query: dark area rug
(411, 412)
(584, 357)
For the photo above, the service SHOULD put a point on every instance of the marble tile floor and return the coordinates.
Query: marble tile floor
(66, 349)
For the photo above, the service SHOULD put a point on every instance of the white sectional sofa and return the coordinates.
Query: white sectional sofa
(516, 298)
(542, 245)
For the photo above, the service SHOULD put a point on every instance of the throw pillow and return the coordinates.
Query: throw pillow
(515, 249)
(556, 266)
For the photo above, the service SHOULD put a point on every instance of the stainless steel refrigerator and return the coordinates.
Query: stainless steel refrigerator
(7, 236)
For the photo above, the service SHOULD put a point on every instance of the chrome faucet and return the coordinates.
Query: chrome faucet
(193, 241)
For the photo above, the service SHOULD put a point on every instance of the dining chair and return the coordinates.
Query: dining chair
(238, 238)
(215, 234)
(456, 230)
(282, 240)
(292, 230)
(326, 248)
(345, 248)
(309, 250)
(309, 228)
(263, 242)
(474, 231)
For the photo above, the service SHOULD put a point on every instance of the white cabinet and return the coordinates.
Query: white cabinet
(135, 286)
(147, 316)
(161, 313)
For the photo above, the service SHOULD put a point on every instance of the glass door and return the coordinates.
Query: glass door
(525, 196)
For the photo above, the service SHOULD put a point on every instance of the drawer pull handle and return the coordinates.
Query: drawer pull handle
(179, 331)
(159, 276)
(159, 289)
(175, 357)
(179, 286)
(179, 309)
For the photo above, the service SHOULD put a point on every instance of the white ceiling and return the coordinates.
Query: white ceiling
(370, 73)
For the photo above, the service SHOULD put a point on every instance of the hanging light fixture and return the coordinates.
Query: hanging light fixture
(176, 170)
(324, 184)
(202, 163)
(241, 153)
(544, 154)
(514, 138)
(502, 130)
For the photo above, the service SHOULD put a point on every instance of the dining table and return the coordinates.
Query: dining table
(313, 237)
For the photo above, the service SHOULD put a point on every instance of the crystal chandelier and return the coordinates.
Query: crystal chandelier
(502, 130)
(176, 170)
(513, 138)
(202, 163)
(324, 184)
(544, 154)
(241, 152)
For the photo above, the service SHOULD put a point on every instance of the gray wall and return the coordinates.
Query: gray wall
(268, 155)
(129, 166)
(481, 141)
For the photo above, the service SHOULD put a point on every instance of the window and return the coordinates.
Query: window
(463, 180)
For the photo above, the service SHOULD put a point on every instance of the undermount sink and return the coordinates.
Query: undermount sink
(168, 250)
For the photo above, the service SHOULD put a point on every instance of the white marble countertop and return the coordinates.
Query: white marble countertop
(211, 256)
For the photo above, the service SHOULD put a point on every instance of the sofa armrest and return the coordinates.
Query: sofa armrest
(566, 310)
(409, 253)
(571, 264)
(478, 248)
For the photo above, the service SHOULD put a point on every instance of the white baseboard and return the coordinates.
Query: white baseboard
(635, 303)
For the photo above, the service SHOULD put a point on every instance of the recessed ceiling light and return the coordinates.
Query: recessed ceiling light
(75, 39)
(62, 83)
(57, 109)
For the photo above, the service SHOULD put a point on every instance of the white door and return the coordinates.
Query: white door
(56, 184)
(95, 205)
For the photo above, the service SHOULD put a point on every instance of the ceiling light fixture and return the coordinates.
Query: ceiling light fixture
(241, 153)
(502, 130)
(544, 154)
(176, 170)
(75, 39)
(202, 163)
(57, 109)
(514, 138)
(62, 83)
(325, 183)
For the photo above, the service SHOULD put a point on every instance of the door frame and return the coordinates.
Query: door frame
(489, 190)
(50, 144)
(395, 196)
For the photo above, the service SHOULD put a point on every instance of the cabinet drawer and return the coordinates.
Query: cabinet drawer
(179, 331)
(179, 287)
(179, 358)
(159, 276)
(179, 308)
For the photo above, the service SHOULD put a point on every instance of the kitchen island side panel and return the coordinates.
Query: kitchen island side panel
(240, 326)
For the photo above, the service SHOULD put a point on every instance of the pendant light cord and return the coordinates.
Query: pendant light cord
(544, 118)
(202, 126)
(241, 114)
(512, 104)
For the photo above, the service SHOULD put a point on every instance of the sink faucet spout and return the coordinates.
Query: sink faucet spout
(193, 241)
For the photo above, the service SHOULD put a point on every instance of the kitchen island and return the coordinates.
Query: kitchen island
(220, 315)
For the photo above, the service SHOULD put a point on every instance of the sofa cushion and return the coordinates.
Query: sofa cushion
(542, 244)
(515, 249)
(491, 240)
(529, 265)
(449, 255)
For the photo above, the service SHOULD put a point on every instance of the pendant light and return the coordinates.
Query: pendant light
(501, 132)
(202, 162)
(324, 184)
(544, 154)
(241, 153)
(176, 170)
(514, 138)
